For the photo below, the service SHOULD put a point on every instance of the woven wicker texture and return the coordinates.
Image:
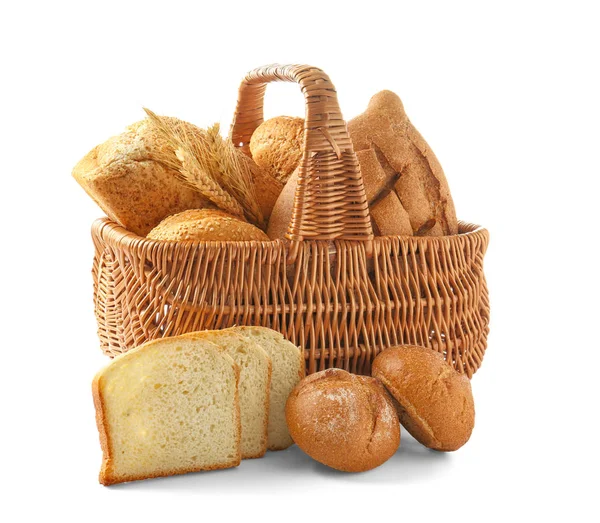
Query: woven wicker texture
(334, 290)
(330, 199)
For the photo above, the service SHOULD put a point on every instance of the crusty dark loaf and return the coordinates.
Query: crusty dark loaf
(411, 169)
(344, 421)
(435, 403)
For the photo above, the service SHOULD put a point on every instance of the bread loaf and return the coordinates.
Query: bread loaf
(124, 178)
(435, 403)
(268, 189)
(276, 146)
(288, 369)
(254, 386)
(388, 216)
(344, 421)
(411, 168)
(167, 407)
(205, 225)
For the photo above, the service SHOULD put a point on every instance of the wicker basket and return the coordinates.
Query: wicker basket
(331, 287)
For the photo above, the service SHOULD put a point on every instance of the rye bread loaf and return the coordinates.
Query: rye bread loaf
(124, 178)
(205, 225)
(276, 146)
(344, 421)
(410, 167)
(434, 401)
(167, 407)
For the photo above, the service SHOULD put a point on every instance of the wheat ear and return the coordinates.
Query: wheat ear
(191, 169)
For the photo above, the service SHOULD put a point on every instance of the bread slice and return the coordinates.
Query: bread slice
(167, 407)
(288, 370)
(254, 387)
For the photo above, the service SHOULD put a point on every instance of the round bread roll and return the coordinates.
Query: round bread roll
(205, 225)
(344, 421)
(435, 402)
(276, 146)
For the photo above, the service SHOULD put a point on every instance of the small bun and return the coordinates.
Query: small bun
(205, 225)
(344, 421)
(435, 402)
(276, 146)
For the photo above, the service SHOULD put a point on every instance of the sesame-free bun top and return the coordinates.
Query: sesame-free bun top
(344, 421)
(205, 225)
(276, 146)
(130, 181)
(435, 402)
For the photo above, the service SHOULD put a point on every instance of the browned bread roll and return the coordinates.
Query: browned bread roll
(435, 403)
(344, 421)
(282, 211)
(411, 169)
(205, 225)
(124, 178)
(276, 146)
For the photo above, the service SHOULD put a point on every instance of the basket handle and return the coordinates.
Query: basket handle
(330, 201)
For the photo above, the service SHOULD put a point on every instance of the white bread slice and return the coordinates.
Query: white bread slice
(288, 370)
(254, 387)
(167, 407)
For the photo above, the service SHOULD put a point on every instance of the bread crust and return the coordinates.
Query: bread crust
(276, 146)
(106, 476)
(133, 188)
(434, 401)
(205, 225)
(411, 168)
(344, 421)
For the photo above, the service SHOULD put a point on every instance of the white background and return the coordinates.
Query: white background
(505, 93)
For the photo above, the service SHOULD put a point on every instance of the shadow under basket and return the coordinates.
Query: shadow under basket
(331, 287)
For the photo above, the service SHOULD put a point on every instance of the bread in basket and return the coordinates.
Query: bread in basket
(331, 287)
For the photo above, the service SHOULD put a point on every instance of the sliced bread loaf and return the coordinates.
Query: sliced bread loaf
(254, 386)
(288, 370)
(167, 407)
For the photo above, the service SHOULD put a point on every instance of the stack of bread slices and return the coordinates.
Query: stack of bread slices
(200, 401)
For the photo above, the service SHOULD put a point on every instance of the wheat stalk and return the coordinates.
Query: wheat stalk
(234, 172)
(190, 165)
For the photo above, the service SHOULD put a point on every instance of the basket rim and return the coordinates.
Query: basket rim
(117, 234)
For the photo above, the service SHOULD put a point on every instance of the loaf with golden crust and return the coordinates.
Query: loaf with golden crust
(342, 420)
(412, 171)
(276, 146)
(434, 401)
(124, 177)
(205, 225)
